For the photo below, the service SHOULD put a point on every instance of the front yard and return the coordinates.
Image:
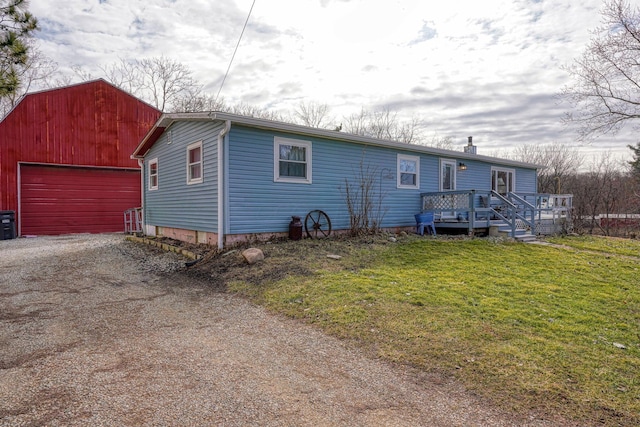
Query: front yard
(528, 327)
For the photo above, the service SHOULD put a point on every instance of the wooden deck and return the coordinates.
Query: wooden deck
(486, 211)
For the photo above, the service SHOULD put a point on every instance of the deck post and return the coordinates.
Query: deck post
(472, 212)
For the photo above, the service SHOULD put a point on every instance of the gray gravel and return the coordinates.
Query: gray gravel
(98, 331)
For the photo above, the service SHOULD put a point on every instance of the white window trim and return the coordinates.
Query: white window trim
(153, 162)
(399, 173)
(201, 179)
(277, 141)
(453, 164)
(508, 170)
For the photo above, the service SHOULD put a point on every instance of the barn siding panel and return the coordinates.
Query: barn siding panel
(89, 124)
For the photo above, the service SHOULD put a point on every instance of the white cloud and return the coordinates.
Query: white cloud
(485, 68)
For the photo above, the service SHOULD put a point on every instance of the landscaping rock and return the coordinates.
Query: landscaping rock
(253, 255)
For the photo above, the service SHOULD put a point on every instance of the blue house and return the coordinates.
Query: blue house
(220, 178)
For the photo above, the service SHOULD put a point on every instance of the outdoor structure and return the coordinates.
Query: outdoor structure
(65, 158)
(220, 178)
(521, 215)
(612, 224)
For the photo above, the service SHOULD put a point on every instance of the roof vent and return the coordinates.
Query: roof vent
(470, 148)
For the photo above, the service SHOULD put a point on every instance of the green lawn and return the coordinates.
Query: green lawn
(609, 245)
(526, 326)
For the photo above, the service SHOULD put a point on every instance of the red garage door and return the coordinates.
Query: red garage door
(62, 200)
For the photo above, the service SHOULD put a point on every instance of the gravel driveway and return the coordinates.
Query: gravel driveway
(98, 331)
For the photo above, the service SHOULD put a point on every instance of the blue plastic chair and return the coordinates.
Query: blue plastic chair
(425, 219)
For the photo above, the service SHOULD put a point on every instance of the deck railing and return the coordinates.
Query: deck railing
(478, 208)
(545, 202)
(133, 221)
(552, 211)
(524, 211)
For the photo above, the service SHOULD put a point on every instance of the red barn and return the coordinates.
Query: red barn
(65, 164)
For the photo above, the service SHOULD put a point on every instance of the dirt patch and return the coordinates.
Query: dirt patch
(284, 258)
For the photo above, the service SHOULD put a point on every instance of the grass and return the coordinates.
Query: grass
(528, 327)
(608, 245)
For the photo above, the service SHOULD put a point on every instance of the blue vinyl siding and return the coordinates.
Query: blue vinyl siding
(176, 204)
(526, 181)
(258, 204)
(478, 177)
(254, 203)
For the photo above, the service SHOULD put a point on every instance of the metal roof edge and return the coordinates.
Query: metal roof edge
(168, 118)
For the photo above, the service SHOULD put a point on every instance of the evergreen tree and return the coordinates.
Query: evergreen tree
(635, 163)
(16, 24)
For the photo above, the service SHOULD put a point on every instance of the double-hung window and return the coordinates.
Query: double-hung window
(291, 160)
(153, 174)
(408, 171)
(194, 163)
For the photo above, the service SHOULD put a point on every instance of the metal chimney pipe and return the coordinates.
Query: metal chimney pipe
(470, 148)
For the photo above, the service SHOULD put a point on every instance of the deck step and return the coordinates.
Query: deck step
(521, 235)
(526, 238)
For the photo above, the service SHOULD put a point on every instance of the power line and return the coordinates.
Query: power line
(234, 51)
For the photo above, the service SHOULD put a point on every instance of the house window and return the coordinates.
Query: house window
(408, 171)
(447, 175)
(503, 181)
(153, 174)
(291, 160)
(194, 163)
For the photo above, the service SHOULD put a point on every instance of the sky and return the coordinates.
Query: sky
(490, 69)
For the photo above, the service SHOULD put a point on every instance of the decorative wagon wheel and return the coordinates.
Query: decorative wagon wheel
(317, 224)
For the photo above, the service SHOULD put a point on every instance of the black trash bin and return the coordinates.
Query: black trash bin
(7, 225)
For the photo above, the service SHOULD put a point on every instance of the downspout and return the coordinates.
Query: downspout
(144, 220)
(221, 183)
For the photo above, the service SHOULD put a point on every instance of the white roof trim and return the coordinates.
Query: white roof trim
(167, 119)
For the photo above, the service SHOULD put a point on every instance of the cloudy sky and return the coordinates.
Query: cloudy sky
(489, 68)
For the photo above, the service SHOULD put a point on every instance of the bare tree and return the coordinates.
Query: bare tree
(61, 80)
(127, 75)
(605, 91)
(312, 114)
(560, 161)
(163, 80)
(160, 81)
(363, 197)
(383, 124)
(82, 73)
(250, 110)
(599, 191)
(38, 72)
(356, 123)
(442, 142)
(195, 100)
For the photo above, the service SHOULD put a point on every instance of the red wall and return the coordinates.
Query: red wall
(89, 124)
